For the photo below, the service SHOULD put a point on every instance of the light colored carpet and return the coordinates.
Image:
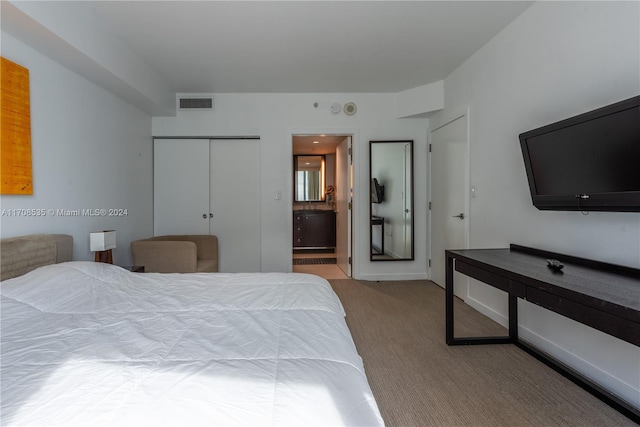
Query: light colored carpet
(399, 328)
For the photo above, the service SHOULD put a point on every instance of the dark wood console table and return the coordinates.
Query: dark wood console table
(378, 220)
(601, 295)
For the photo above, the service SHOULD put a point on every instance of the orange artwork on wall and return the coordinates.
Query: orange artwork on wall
(15, 121)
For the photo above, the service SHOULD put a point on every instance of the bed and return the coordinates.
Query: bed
(86, 343)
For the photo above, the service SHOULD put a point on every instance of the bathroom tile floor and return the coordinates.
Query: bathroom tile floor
(327, 271)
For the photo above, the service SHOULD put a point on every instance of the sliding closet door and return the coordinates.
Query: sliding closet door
(180, 186)
(235, 203)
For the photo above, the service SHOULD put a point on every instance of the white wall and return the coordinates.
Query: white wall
(90, 150)
(420, 101)
(275, 117)
(72, 34)
(556, 60)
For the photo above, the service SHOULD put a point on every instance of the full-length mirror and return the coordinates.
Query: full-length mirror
(309, 178)
(391, 201)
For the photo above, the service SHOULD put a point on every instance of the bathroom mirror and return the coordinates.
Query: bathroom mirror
(309, 178)
(391, 200)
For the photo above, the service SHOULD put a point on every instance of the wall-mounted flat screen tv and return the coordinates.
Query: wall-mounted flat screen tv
(590, 162)
(377, 191)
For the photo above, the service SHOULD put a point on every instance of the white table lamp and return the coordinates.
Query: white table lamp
(101, 243)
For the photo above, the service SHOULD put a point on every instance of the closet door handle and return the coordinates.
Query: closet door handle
(204, 216)
(210, 215)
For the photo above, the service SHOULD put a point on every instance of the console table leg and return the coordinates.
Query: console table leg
(449, 314)
(449, 301)
(513, 317)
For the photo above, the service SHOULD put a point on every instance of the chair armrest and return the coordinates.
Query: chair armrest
(165, 256)
(207, 246)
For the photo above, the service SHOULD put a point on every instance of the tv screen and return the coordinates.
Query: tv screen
(588, 162)
(377, 191)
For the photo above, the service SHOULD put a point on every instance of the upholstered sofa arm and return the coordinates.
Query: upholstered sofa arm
(207, 244)
(196, 253)
(165, 256)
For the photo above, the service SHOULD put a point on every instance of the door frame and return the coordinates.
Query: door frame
(436, 122)
(351, 229)
(349, 213)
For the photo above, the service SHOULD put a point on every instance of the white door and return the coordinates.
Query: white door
(235, 203)
(343, 199)
(181, 186)
(448, 197)
(204, 186)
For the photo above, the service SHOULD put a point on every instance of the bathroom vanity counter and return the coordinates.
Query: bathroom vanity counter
(314, 228)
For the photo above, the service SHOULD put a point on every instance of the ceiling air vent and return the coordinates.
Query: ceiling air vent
(195, 103)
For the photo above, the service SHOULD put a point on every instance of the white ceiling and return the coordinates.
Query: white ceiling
(304, 46)
(316, 144)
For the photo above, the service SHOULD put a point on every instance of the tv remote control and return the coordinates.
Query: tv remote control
(554, 264)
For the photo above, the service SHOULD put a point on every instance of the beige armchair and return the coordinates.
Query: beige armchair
(176, 254)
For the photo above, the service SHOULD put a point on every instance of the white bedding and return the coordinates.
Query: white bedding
(86, 343)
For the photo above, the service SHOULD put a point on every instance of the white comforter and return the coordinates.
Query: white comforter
(86, 343)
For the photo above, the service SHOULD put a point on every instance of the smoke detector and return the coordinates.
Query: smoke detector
(350, 108)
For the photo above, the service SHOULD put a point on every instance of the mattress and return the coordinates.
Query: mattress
(86, 343)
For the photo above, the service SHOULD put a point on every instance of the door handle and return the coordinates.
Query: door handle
(461, 216)
(210, 215)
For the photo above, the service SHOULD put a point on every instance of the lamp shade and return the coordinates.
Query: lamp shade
(102, 241)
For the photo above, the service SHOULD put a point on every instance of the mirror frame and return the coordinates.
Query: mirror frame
(411, 256)
(295, 173)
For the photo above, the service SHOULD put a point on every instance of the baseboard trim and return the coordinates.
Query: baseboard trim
(381, 277)
(615, 401)
(487, 311)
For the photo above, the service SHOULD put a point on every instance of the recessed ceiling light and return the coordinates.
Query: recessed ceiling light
(316, 142)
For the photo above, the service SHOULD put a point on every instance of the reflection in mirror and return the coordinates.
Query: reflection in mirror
(309, 179)
(391, 175)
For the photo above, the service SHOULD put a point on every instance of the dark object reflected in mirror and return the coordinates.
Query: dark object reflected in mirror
(391, 201)
(309, 178)
(377, 191)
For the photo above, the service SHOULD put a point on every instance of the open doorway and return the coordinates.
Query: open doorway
(322, 191)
